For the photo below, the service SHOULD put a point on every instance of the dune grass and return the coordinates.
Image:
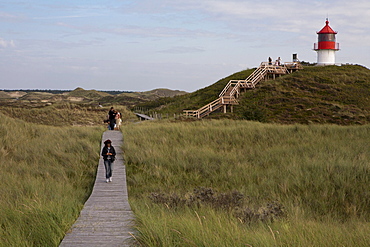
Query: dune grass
(46, 175)
(315, 95)
(327, 94)
(65, 114)
(237, 183)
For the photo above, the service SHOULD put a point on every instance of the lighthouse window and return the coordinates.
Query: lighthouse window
(327, 37)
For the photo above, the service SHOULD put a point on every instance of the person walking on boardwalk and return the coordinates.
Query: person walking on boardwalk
(109, 155)
(118, 121)
(112, 115)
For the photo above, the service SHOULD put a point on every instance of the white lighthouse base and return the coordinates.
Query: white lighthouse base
(325, 57)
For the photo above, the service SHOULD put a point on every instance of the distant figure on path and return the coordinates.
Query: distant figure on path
(109, 155)
(278, 61)
(112, 115)
(270, 61)
(118, 121)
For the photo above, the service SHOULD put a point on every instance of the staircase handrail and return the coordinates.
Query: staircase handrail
(210, 106)
(236, 90)
(231, 100)
(197, 113)
(293, 65)
(228, 85)
(256, 77)
(252, 77)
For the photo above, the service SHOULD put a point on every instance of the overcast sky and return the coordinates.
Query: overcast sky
(139, 45)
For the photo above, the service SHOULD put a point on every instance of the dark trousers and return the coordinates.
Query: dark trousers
(112, 122)
(108, 168)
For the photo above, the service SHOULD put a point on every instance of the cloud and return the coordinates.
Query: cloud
(84, 14)
(62, 17)
(141, 31)
(6, 43)
(7, 17)
(182, 50)
(41, 46)
(156, 41)
(286, 16)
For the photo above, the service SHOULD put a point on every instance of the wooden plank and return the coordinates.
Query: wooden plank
(143, 116)
(106, 219)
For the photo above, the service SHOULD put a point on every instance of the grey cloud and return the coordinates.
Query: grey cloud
(64, 17)
(182, 50)
(6, 43)
(140, 31)
(8, 17)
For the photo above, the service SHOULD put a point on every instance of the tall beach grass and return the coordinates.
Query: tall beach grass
(319, 175)
(65, 114)
(46, 175)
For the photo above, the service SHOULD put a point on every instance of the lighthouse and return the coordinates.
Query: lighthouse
(326, 45)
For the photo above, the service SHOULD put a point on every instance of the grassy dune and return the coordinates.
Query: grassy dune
(46, 176)
(64, 114)
(327, 94)
(236, 183)
(323, 94)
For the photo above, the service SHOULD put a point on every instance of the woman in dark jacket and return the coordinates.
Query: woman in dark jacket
(109, 155)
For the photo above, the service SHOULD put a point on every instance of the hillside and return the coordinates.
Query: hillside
(330, 94)
(134, 98)
(46, 175)
(193, 100)
(76, 107)
(88, 94)
(246, 181)
(38, 98)
(155, 93)
(4, 95)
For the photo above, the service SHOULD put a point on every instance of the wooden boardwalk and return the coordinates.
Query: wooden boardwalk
(106, 219)
(143, 116)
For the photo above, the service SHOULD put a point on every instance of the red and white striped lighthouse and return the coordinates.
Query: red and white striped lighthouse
(326, 45)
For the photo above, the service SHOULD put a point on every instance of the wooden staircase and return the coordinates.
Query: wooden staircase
(232, 90)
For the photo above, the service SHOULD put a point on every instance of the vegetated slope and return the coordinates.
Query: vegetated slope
(195, 100)
(78, 107)
(46, 175)
(65, 114)
(132, 99)
(38, 98)
(154, 94)
(12, 94)
(251, 183)
(330, 94)
(4, 95)
(87, 94)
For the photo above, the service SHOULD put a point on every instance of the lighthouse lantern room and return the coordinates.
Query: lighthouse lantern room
(326, 45)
